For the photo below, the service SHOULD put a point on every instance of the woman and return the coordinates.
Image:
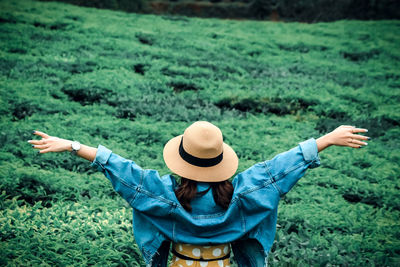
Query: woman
(205, 216)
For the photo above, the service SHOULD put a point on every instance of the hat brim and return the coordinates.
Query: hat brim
(220, 172)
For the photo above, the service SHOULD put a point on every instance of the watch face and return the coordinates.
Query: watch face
(75, 146)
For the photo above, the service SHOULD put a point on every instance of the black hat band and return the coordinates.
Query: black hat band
(199, 162)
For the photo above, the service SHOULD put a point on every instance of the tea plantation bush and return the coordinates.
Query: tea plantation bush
(288, 10)
(131, 82)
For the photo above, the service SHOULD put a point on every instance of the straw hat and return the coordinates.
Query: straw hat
(200, 154)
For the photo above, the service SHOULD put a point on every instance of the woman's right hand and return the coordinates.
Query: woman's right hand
(50, 143)
(344, 135)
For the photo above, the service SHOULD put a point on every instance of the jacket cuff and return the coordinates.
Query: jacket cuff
(102, 156)
(309, 149)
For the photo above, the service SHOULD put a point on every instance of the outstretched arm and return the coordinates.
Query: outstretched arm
(288, 167)
(124, 174)
(54, 144)
(343, 135)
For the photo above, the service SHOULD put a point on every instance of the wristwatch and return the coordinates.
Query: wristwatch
(75, 145)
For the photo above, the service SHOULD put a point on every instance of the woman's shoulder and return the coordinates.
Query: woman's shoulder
(153, 179)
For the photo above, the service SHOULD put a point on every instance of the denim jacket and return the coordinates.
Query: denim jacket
(249, 223)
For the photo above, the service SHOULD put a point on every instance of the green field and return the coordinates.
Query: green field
(131, 82)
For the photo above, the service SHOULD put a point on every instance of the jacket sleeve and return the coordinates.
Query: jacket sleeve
(124, 175)
(286, 168)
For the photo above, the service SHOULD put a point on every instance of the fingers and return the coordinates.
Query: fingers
(359, 130)
(42, 134)
(40, 146)
(37, 142)
(45, 148)
(357, 142)
(44, 151)
(361, 137)
(354, 145)
(354, 128)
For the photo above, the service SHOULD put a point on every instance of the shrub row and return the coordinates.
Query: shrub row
(293, 10)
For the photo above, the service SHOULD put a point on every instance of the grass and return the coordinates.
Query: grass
(131, 82)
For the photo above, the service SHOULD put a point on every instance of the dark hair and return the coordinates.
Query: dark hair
(187, 191)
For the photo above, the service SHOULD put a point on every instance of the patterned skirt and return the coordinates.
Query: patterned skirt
(200, 256)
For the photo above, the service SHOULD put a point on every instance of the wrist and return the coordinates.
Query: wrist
(324, 142)
(68, 145)
(328, 139)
